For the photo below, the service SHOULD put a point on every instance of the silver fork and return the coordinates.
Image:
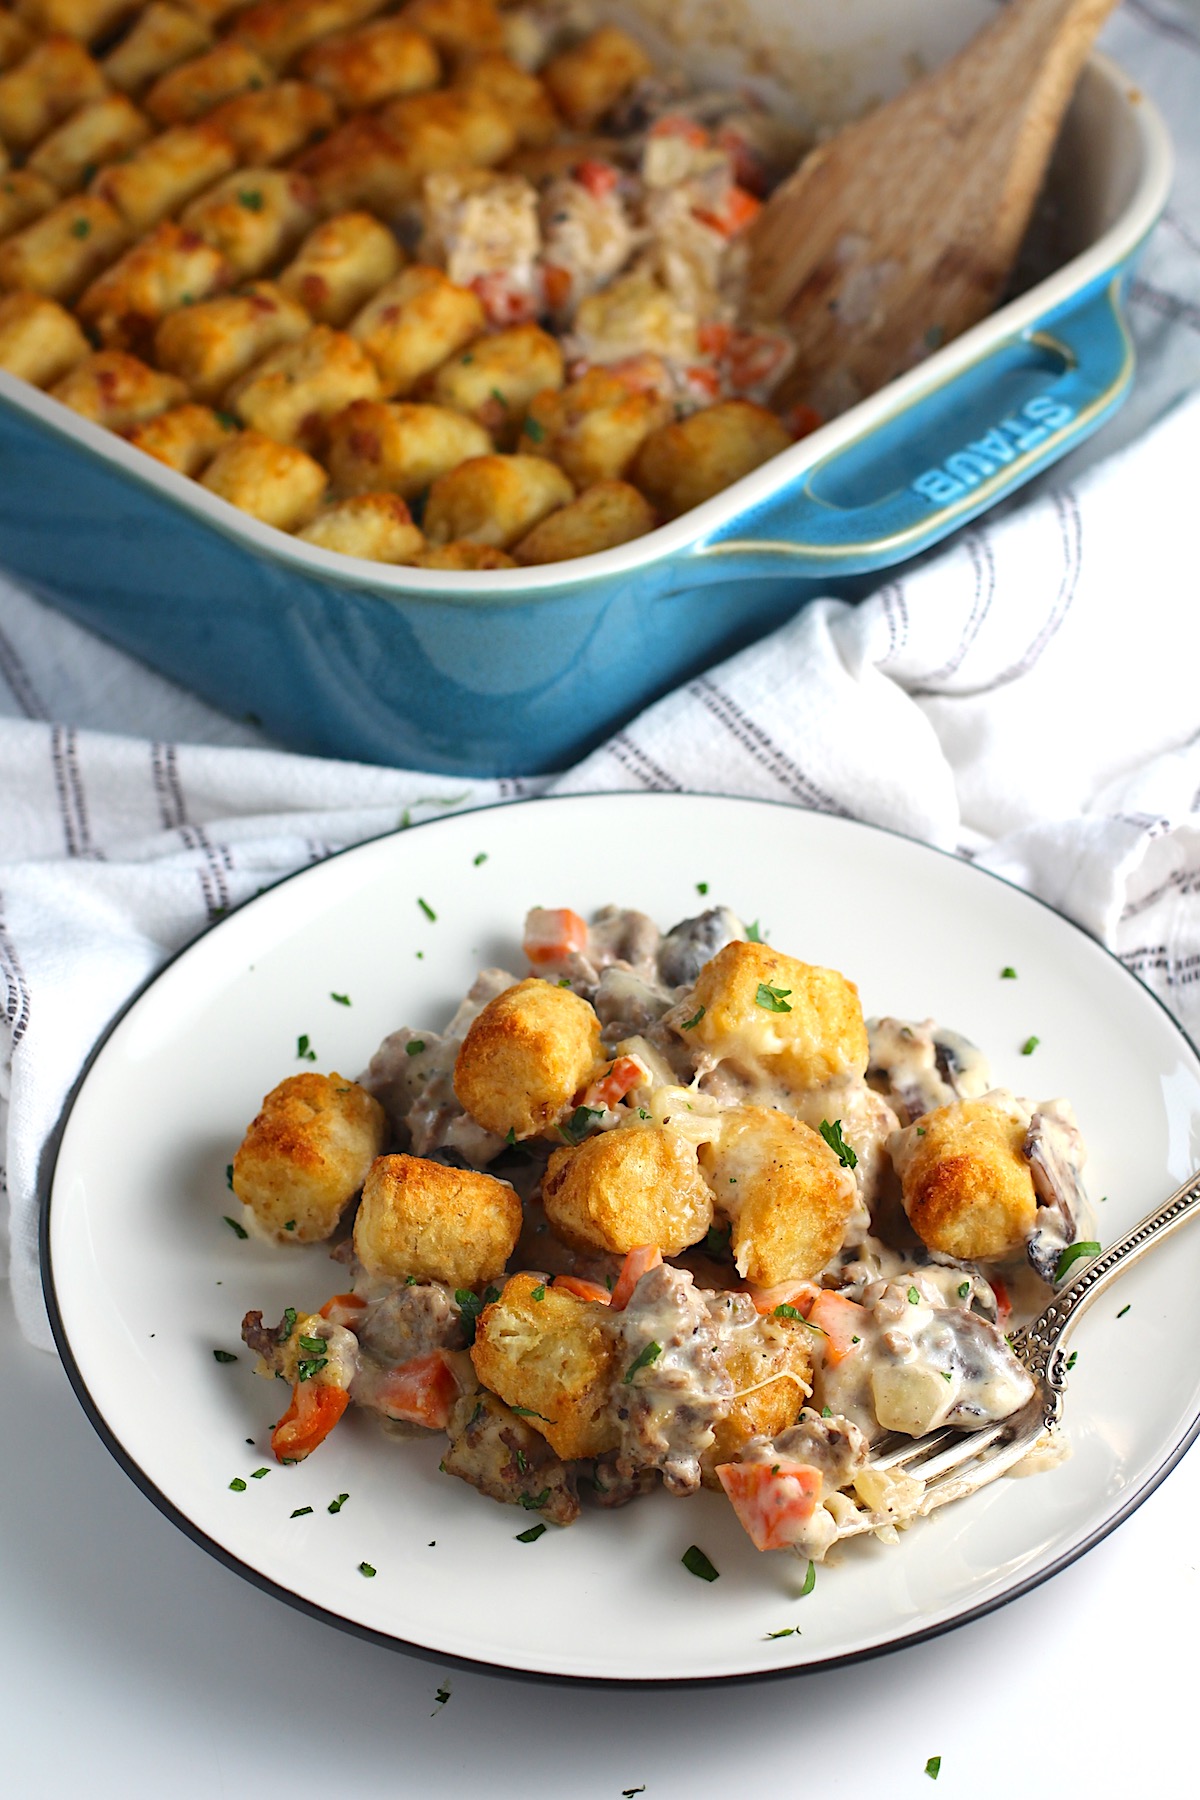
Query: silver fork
(953, 1464)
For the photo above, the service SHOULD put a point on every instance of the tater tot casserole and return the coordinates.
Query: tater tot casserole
(453, 284)
(665, 1212)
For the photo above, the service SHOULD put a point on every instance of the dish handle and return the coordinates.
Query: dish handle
(942, 457)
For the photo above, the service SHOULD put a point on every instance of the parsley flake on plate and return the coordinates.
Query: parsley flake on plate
(229, 1176)
(300, 1512)
(784, 1631)
(426, 908)
(755, 934)
(224, 1356)
(259, 1473)
(304, 1049)
(342, 999)
(534, 1502)
(1030, 1045)
(533, 1534)
(364, 1568)
(837, 1143)
(702, 887)
(237, 1230)
(810, 1581)
(1081, 1247)
(696, 1563)
(933, 1767)
(1008, 973)
(238, 1485)
(335, 1506)
(483, 855)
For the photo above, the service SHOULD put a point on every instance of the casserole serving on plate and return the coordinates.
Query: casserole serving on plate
(513, 670)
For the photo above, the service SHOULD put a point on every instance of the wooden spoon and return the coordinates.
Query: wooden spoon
(901, 230)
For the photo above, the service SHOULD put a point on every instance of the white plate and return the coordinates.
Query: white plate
(146, 1280)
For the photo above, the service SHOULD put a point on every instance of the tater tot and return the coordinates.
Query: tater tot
(16, 40)
(525, 98)
(39, 340)
(763, 1012)
(413, 323)
(280, 29)
(398, 448)
(98, 133)
(59, 253)
(966, 1183)
(378, 527)
(167, 268)
(55, 78)
(160, 37)
(196, 86)
(594, 427)
(186, 438)
(307, 1154)
(270, 126)
(609, 513)
(165, 173)
(769, 1361)
(785, 1190)
(82, 19)
(254, 217)
(588, 79)
(116, 390)
(683, 464)
(421, 1218)
(212, 344)
(451, 129)
(463, 558)
(214, 12)
(277, 483)
(293, 392)
(494, 499)
(23, 198)
(525, 1057)
(377, 63)
(456, 26)
(340, 265)
(496, 377)
(623, 1188)
(541, 1349)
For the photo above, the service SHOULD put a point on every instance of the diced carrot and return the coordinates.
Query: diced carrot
(620, 1080)
(714, 337)
(754, 357)
(842, 1322)
(343, 1309)
(315, 1410)
(677, 125)
(1003, 1302)
(799, 1294)
(773, 1501)
(707, 380)
(503, 303)
(800, 419)
(556, 285)
(421, 1392)
(637, 1263)
(582, 1288)
(553, 933)
(599, 178)
(738, 209)
(642, 374)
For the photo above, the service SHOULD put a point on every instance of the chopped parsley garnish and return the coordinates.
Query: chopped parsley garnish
(510, 1136)
(81, 228)
(308, 1366)
(755, 934)
(533, 1534)
(481, 858)
(238, 1485)
(920, 1131)
(964, 1288)
(696, 1563)
(628, 1793)
(251, 199)
(539, 1292)
(564, 981)
(694, 1020)
(314, 1346)
(497, 395)
(533, 431)
(443, 1693)
(304, 1049)
(786, 1311)
(290, 1226)
(414, 1046)
(702, 887)
(772, 999)
(946, 1375)
(342, 999)
(716, 1240)
(426, 908)
(642, 1361)
(1008, 973)
(914, 1298)
(335, 1506)
(227, 421)
(410, 1281)
(534, 1502)
(237, 1230)
(470, 1306)
(366, 1569)
(827, 1412)
(300, 1512)
(229, 1176)
(522, 1462)
(1030, 1045)
(527, 1412)
(837, 1143)
(579, 1123)
(933, 1767)
(1122, 1312)
(259, 1473)
(224, 1356)
(1072, 1253)
(785, 1631)
(810, 1581)
(286, 1325)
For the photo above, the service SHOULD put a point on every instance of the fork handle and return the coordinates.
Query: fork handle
(1040, 1344)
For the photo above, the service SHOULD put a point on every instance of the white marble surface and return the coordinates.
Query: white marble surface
(132, 1664)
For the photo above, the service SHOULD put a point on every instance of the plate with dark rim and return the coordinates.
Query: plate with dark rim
(145, 1279)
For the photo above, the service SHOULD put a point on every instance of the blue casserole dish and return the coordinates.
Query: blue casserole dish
(522, 671)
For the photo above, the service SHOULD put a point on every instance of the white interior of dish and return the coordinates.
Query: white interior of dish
(1109, 182)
